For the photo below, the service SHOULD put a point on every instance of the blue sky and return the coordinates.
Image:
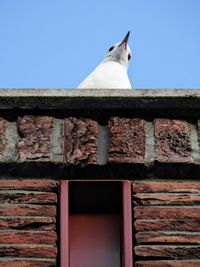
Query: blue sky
(56, 43)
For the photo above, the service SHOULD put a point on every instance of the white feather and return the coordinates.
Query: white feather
(111, 73)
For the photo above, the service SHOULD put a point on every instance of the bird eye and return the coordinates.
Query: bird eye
(111, 48)
(129, 56)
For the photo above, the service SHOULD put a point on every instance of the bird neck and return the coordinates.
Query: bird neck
(110, 59)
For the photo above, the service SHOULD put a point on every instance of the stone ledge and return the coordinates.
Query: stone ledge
(101, 99)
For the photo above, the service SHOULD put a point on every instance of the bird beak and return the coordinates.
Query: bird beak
(125, 40)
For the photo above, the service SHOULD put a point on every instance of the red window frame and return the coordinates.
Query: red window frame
(127, 252)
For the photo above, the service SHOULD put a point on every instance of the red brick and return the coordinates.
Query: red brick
(28, 197)
(27, 210)
(168, 263)
(29, 184)
(167, 187)
(168, 252)
(14, 262)
(36, 136)
(30, 223)
(166, 199)
(28, 237)
(176, 224)
(127, 140)
(28, 251)
(172, 139)
(198, 126)
(169, 212)
(3, 139)
(80, 141)
(165, 237)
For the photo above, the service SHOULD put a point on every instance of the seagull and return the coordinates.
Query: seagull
(111, 73)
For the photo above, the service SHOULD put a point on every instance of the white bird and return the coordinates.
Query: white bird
(111, 73)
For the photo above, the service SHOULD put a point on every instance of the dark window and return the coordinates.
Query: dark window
(96, 225)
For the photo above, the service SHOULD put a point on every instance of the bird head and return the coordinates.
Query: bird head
(120, 52)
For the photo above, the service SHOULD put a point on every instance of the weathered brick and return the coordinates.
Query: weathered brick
(29, 184)
(166, 187)
(27, 210)
(127, 140)
(172, 141)
(166, 199)
(198, 126)
(28, 223)
(170, 212)
(168, 252)
(177, 224)
(39, 251)
(28, 237)
(80, 141)
(14, 262)
(36, 136)
(28, 197)
(167, 238)
(3, 139)
(168, 263)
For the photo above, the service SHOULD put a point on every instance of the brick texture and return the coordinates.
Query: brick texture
(26, 223)
(198, 130)
(28, 214)
(26, 263)
(3, 140)
(127, 140)
(172, 141)
(169, 263)
(80, 141)
(166, 223)
(32, 184)
(36, 136)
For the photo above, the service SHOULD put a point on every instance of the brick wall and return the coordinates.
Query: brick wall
(166, 223)
(28, 207)
(156, 148)
(82, 141)
(28, 212)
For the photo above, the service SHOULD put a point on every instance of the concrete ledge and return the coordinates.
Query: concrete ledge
(61, 96)
(146, 103)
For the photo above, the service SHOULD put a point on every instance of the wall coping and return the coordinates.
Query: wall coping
(140, 102)
(15, 96)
